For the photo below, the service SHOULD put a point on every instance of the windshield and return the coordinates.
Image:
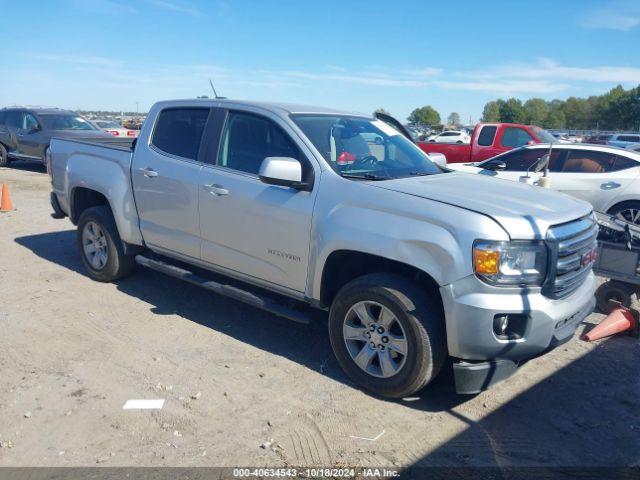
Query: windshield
(543, 135)
(66, 122)
(364, 148)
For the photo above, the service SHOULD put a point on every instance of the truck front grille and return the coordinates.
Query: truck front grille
(568, 244)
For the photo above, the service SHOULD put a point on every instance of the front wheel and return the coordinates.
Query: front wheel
(100, 246)
(387, 334)
(627, 211)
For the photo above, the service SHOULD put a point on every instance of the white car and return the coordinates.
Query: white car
(451, 136)
(635, 147)
(115, 129)
(607, 177)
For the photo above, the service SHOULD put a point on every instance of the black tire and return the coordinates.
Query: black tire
(4, 156)
(117, 265)
(421, 317)
(621, 207)
(624, 293)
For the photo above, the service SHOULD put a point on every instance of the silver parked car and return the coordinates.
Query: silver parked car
(413, 263)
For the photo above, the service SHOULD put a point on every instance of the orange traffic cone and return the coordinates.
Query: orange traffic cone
(5, 203)
(619, 320)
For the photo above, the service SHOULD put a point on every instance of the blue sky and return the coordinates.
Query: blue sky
(356, 55)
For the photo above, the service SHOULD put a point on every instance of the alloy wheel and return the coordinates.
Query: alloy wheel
(375, 339)
(94, 245)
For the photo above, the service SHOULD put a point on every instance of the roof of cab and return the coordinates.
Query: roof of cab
(277, 107)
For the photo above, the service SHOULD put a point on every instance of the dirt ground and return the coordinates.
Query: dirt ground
(242, 387)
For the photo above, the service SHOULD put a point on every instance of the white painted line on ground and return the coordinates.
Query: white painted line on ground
(143, 404)
(369, 439)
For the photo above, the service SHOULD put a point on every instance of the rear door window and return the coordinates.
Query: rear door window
(14, 119)
(515, 137)
(487, 135)
(178, 131)
(629, 138)
(589, 161)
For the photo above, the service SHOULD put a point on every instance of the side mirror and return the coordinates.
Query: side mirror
(438, 158)
(496, 166)
(282, 171)
(35, 128)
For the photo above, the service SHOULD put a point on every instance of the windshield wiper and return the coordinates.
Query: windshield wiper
(419, 174)
(364, 176)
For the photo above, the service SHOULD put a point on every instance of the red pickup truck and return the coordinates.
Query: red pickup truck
(489, 140)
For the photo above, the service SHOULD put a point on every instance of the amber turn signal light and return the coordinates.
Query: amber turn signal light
(485, 262)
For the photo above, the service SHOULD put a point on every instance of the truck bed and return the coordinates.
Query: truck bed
(103, 167)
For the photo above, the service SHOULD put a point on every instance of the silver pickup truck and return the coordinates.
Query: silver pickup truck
(297, 206)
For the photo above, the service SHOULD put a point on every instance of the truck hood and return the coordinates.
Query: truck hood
(524, 211)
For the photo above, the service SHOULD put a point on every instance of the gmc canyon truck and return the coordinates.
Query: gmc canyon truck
(489, 140)
(285, 207)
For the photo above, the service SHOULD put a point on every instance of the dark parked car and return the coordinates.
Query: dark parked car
(25, 133)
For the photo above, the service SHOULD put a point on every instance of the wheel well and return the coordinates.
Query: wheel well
(83, 198)
(342, 266)
(623, 203)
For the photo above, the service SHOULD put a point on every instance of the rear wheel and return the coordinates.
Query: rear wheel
(388, 334)
(100, 246)
(4, 156)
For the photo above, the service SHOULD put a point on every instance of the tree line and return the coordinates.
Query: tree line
(618, 109)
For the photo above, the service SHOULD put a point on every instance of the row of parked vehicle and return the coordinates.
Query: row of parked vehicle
(25, 133)
(606, 176)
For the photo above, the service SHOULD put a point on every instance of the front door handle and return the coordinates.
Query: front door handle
(609, 185)
(148, 172)
(216, 189)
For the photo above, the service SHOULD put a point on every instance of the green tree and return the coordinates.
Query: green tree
(556, 118)
(453, 118)
(426, 115)
(536, 111)
(512, 111)
(491, 112)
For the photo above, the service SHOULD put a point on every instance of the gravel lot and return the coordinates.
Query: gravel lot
(235, 380)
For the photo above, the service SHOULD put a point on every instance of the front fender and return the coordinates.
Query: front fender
(433, 237)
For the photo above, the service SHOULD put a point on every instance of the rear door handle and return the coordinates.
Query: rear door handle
(609, 185)
(216, 189)
(148, 172)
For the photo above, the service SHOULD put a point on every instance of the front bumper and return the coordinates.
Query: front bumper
(470, 307)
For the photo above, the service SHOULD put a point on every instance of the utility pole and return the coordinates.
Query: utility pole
(137, 109)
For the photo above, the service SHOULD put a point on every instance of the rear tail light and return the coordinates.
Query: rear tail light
(131, 133)
(115, 133)
(47, 161)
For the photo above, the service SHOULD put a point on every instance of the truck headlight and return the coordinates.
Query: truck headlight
(510, 263)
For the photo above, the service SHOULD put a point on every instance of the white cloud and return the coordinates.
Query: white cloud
(620, 15)
(76, 59)
(175, 7)
(504, 87)
(550, 70)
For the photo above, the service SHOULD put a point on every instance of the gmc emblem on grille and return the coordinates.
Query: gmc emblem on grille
(589, 257)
